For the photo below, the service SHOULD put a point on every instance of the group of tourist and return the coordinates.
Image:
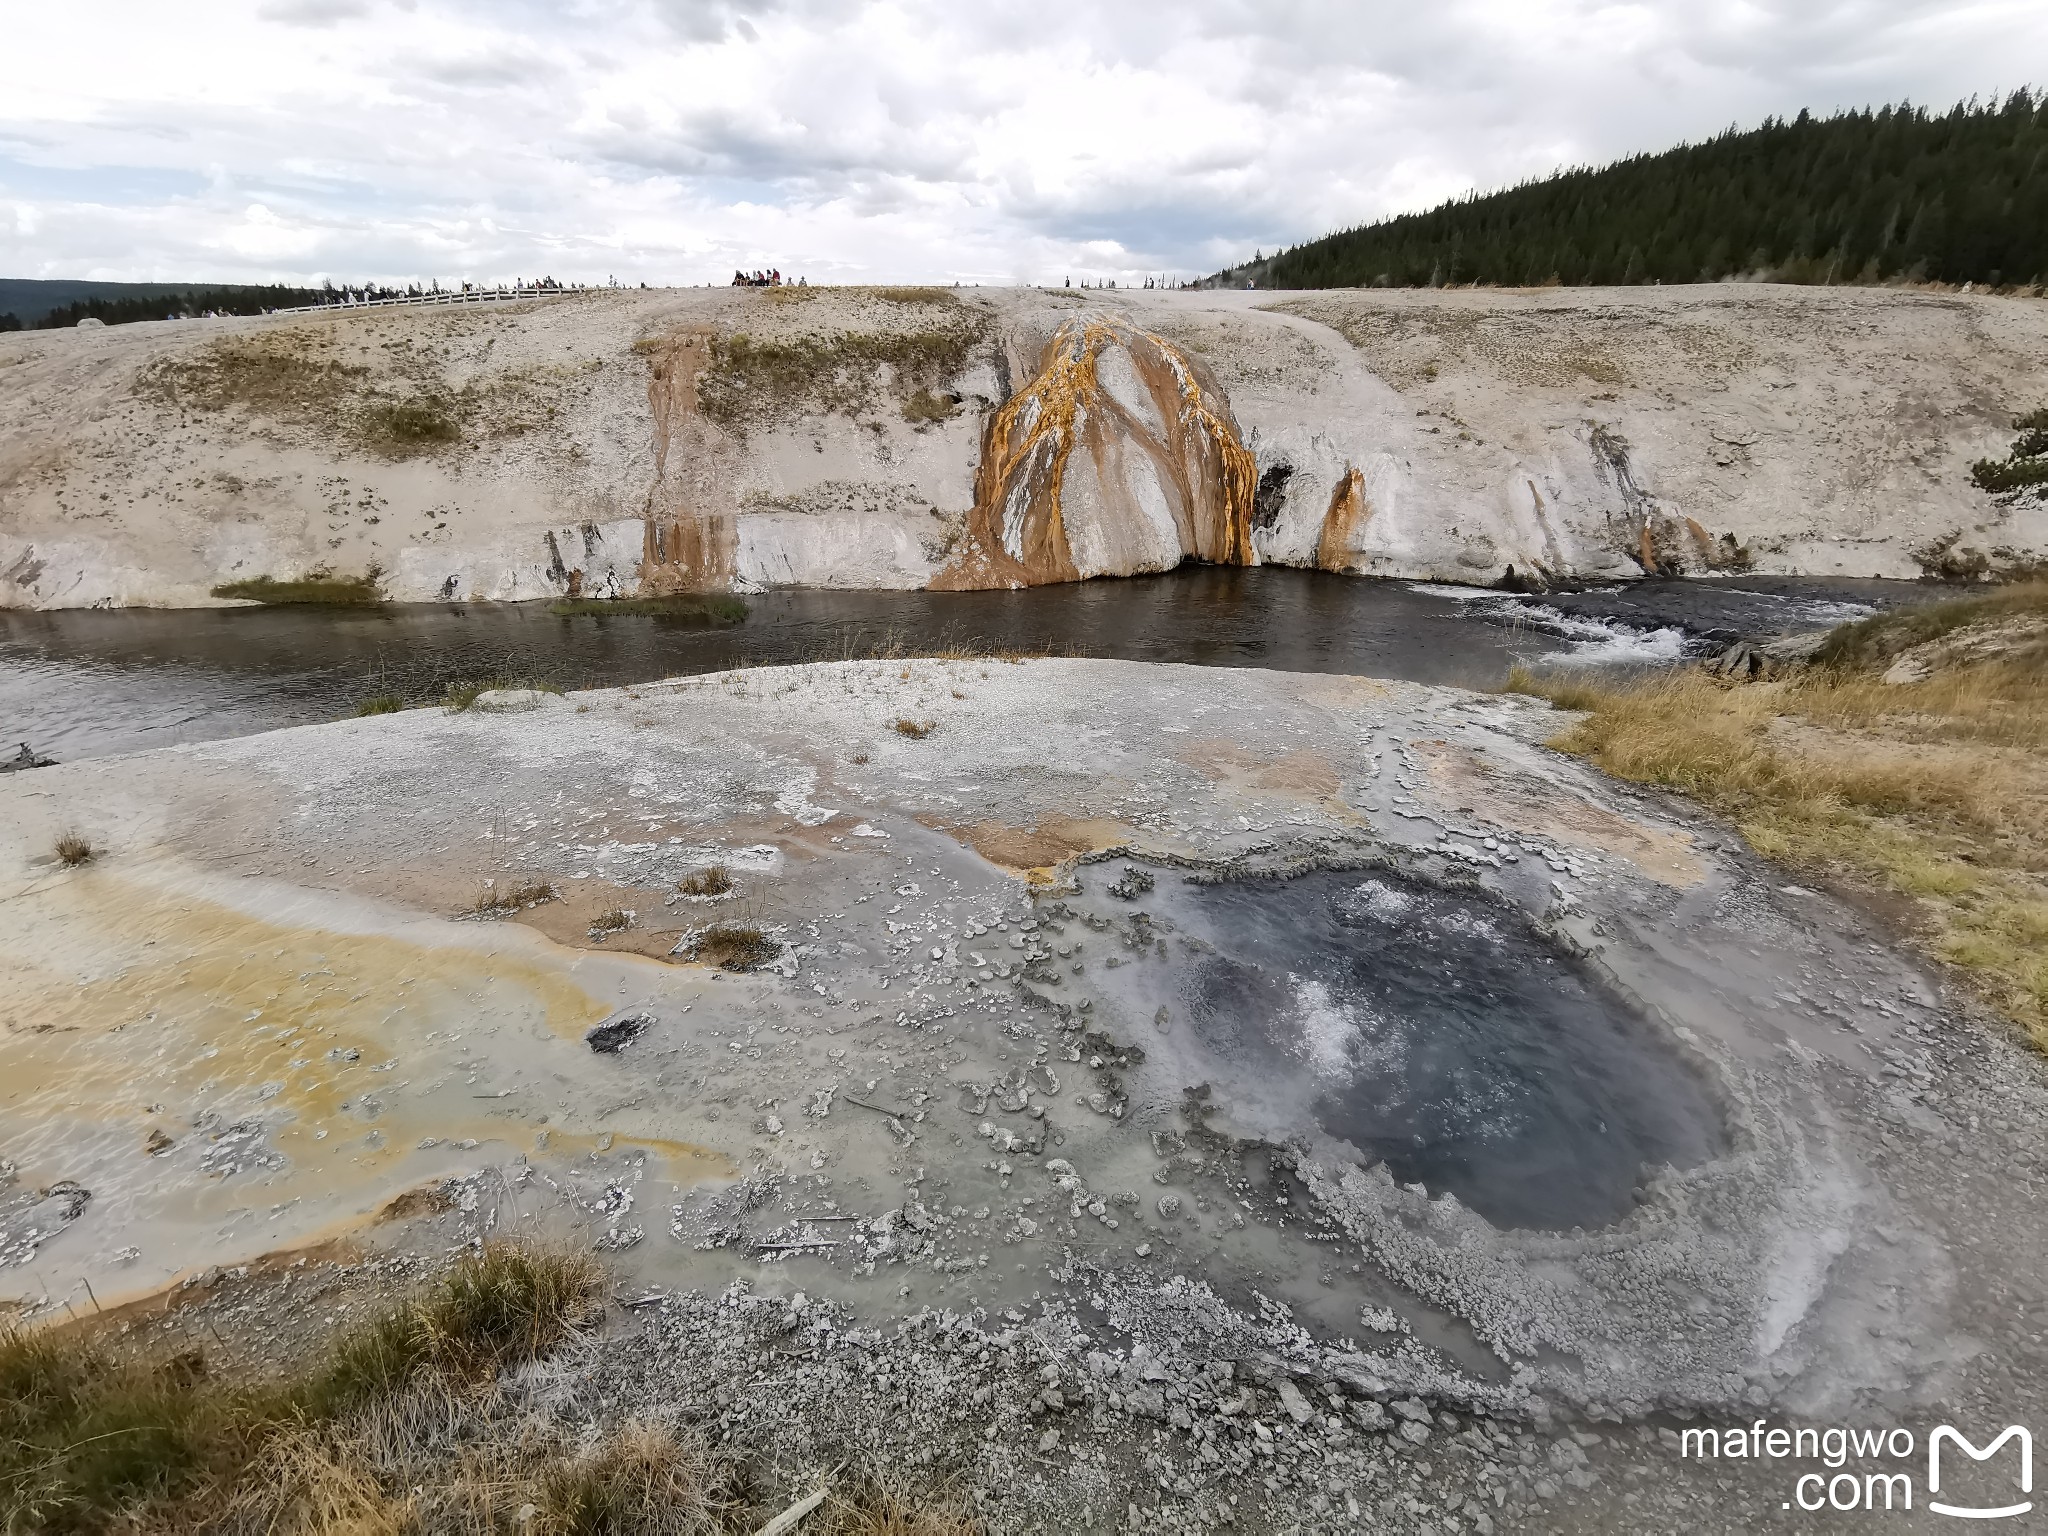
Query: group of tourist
(768, 279)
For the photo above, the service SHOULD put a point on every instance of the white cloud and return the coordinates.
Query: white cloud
(672, 140)
(313, 13)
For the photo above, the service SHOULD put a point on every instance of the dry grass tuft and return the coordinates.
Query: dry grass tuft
(85, 1433)
(513, 896)
(644, 1477)
(306, 1482)
(290, 374)
(916, 730)
(944, 298)
(712, 880)
(605, 924)
(73, 850)
(497, 1308)
(382, 1434)
(380, 704)
(404, 429)
(733, 947)
(872, 1509)
(1935, 792)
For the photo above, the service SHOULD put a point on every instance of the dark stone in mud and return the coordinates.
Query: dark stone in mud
(27, 757)
(614, 1034)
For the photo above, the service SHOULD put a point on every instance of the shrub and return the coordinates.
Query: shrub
(916, 730)
(2025, 463)
(73, 850)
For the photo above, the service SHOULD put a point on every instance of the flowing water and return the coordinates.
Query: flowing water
(89, 683)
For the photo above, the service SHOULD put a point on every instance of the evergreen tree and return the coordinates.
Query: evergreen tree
(1866, 196)
(240, 299)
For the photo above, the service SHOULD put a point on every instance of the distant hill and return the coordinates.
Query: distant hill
(29, 299)
(1860, 197)
(37, 303)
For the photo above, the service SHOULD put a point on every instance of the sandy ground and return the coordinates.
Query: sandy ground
(942, 1158)
(1435, 435)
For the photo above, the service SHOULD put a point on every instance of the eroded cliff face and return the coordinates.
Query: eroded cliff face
(1119, 456)
(629, 442)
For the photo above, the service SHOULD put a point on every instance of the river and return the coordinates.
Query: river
(90, 683)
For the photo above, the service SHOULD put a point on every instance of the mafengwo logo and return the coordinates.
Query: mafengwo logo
(1873, 1469)
(1947, 1436)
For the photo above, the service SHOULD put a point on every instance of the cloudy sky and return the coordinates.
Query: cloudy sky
(669, 141)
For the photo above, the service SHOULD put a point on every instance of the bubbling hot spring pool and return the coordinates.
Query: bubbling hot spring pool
(1434, 1029)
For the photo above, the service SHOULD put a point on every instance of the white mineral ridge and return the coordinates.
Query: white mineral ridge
(1431, 435)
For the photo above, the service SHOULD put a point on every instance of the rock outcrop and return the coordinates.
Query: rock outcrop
(1120, 456)
(653, 442)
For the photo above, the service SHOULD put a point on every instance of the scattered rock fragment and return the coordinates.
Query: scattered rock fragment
(1132, 883)
(614, 1034)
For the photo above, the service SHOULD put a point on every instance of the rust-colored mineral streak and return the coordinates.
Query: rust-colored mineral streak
(1343, 523)
(684, 547)
(1161, 475)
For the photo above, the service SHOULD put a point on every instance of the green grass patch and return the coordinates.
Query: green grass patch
(400, 429)
(944, 297)
(694, 607)
(924, 407)
(320, 588)
(289, 374)
(1868, 642)
(752, 381)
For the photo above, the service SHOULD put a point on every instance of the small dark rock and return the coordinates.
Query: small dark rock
(27, 757)
(613, 1034)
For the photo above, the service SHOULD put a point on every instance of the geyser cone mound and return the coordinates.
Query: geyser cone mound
(1121, 456)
